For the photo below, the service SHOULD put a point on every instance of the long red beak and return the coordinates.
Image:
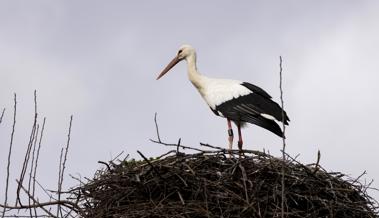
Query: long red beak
(169, 66)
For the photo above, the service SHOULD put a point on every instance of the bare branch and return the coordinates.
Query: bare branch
(284, 134)
(359, 177)
(67, 208)
(212, 146)
(175, 145)
(35, 201)
(156, 127)
(102, 162)
(244, 179)
(2, 115)
(61, 176)
(67, 147)
(212, 185)
(37, 156)
(36, 204)
(24, 216)
(32, 167)
(59, 180)
(10, 152)
(317, 165)
(28, 150)
(117, 156)
(150, 164)
(44, 190)
(282, 103)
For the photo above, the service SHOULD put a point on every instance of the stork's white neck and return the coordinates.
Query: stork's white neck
(194, 76)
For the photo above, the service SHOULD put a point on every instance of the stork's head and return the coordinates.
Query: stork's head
(184, 52)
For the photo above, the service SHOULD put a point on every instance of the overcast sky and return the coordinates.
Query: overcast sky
(98, 61)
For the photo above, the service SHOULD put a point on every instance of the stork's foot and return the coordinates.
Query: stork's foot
(230, 147)
(230, 153)
(240, 154)
(240, 142)
(230, 139)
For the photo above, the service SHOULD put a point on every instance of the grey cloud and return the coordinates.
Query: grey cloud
(99, 62)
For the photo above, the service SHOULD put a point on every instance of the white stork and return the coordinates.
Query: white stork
(237, 101)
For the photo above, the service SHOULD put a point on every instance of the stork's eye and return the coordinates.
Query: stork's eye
(180, 51)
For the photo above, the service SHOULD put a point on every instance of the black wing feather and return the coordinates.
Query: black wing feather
(256, 89)
(266, 104)
(253, 104)
(248, 108)
(265, 123)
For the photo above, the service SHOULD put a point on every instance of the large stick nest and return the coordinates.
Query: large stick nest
(211, 184)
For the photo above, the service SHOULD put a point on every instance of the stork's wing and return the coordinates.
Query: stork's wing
(265, 123)
(253, 104)
(254, 108)
(256, 89)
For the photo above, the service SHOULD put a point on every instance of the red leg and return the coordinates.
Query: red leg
(230, 133)
(240, 142)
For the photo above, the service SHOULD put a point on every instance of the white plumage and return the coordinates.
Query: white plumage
(218, 91)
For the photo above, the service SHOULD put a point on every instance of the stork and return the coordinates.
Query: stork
(240, 102)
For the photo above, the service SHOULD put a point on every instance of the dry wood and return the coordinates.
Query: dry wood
(210, 184)
(10, 153)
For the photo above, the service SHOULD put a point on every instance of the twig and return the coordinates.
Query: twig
(212, 146)
(359, 177)
(181, 198)
(45, 191)
(10, 152)
(32, 167)
(102, 162)
(28, 150)
(49, 195)
(59, 179)
(64, 162)
(25, 216)
(156, 127)
(37, 156)
(34, 200)
(317, 162)
(70, 205)
(244, 179)
(205, 184)
(25, 163)
(2, 115)
(223, 150)
(175, 145)
(67, 147)
(284, 133)
(150, 164)
(77, 179)
(165, 154)
(117, 156)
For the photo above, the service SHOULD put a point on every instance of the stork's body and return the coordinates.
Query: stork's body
(236, 101)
